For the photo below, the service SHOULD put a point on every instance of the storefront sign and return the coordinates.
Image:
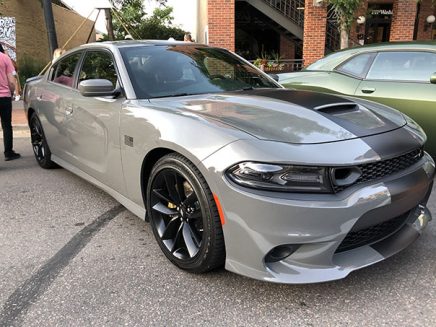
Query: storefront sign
(382, 12)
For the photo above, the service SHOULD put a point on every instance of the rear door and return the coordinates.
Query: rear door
(93, 124)
(55, 103)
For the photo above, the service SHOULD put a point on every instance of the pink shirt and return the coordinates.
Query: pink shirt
(6, 68)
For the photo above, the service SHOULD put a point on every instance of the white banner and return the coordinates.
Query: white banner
(8, 36)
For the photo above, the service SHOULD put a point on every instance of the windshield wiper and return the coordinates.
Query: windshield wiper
(173, 95)
(247, 88)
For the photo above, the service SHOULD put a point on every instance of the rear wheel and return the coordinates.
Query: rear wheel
(184, 216)
(39, 144)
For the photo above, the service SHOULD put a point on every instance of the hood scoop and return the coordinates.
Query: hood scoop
(354, 117)
(338, 108)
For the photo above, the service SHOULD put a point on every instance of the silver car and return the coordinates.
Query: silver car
(227, 166)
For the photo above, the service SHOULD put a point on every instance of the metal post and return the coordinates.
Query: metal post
(50, 25)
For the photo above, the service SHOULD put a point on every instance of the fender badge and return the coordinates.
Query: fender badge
(128, 140)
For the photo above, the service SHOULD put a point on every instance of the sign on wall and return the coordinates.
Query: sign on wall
(8, 36)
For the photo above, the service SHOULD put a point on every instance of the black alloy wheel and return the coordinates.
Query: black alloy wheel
(39, 144)
(184, 216)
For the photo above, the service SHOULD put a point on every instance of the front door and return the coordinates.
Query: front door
(93, 125)
(401, 79)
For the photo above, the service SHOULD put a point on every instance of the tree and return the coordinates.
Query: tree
(131, 14)
(344, 11)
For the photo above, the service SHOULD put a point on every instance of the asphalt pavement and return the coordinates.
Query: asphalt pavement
(70, 255)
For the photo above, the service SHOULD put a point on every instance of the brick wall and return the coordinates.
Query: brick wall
(315, 21)
(403, 20)
(287, 48)
(426, 9)
(31, 33)
(221, 23)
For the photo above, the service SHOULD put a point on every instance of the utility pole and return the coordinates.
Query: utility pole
(50, 25)
(109, 26)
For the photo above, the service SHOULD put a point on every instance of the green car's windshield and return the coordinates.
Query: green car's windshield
(165, 71)
(323, 62)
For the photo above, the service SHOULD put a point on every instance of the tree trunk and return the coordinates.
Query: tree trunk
(344, 38)
(109, 25)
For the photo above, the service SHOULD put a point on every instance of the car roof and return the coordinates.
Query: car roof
(334, 59)
(126, 43)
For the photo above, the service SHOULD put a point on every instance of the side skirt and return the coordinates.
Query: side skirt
(130, 205)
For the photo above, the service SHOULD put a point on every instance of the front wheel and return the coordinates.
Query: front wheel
(184, 216)
(39, 144)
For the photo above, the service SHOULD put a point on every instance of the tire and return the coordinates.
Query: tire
(183, 215)
(39, 144)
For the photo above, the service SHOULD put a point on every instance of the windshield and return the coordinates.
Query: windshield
(333, 57)
(164, 71)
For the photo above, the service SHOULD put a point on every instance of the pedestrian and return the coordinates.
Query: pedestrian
(187, 37)
(7, 88)
(57, 53)
(17, 94)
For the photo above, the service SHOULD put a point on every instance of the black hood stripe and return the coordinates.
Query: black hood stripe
(316, 102)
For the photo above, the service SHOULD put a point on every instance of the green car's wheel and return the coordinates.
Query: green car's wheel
(184, 216)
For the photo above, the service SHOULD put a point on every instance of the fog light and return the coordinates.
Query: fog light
(281, 252)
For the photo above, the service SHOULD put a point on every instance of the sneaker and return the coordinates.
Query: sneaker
(12, 156)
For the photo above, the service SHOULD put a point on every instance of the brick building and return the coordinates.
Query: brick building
(294, 29)
(30, 30)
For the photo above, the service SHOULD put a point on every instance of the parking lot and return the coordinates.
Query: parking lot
(70, 255)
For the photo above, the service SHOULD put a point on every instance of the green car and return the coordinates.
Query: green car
(399, 75)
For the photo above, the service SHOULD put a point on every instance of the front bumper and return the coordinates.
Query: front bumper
(257, 222)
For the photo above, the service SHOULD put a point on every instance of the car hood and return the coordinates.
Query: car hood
(290, 116)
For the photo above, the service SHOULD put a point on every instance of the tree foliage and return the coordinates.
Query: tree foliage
(344, 11)
(131, 14)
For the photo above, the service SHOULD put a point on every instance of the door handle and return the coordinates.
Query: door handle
(368, 90)
(69, 110)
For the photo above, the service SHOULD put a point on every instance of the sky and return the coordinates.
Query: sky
(184, 12)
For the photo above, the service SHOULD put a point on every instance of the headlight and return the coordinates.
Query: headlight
(281, 177)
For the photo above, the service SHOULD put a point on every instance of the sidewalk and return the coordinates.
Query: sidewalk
(19, 120)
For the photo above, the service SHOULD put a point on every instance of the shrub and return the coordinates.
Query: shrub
(28, 67)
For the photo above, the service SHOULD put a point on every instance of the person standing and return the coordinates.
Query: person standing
(7, 88)
(188, 37)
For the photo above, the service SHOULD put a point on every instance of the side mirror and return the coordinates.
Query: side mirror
(96, 88)
(274, 77)
(433, 78)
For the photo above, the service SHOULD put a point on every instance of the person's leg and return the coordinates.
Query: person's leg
(6, 118)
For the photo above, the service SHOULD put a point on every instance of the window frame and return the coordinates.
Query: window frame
(368, 65)
(398, 80)
(99, 49)
(75, 73)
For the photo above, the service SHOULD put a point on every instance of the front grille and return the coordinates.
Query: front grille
(376, 170)
(372, 234)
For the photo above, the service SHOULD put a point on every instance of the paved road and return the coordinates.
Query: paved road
(71, 256)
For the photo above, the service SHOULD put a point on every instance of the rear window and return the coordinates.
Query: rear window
(357, 66)
(63, 71)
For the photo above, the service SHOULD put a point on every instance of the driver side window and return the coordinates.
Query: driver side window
(98, 65)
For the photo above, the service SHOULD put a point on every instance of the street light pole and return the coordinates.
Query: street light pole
(50, 25)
